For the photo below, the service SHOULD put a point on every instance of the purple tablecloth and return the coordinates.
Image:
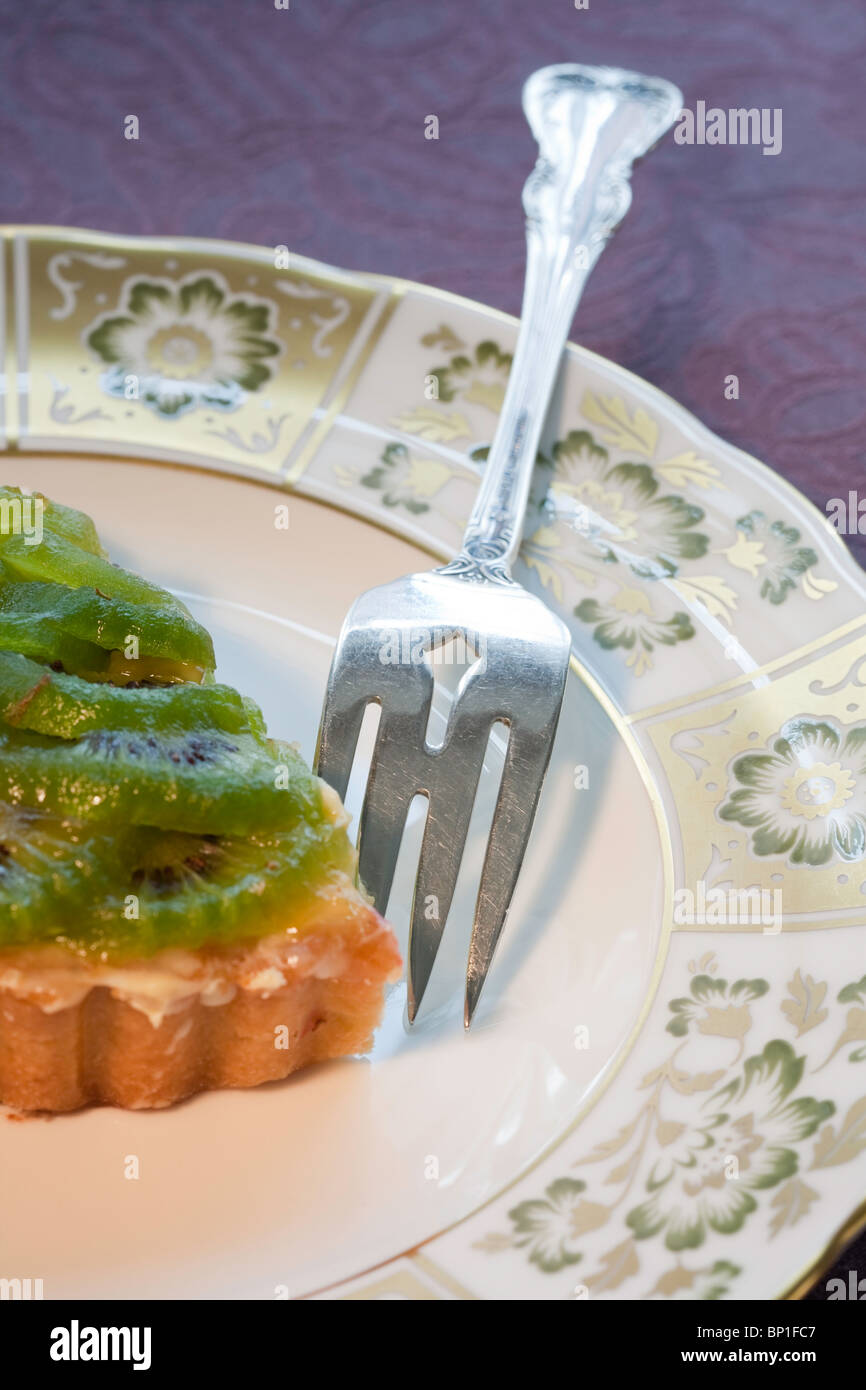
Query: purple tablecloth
(305, 127)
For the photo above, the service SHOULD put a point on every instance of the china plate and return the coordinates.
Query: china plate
(664, 1092)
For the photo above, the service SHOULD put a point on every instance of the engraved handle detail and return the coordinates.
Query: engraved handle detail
(591, 124)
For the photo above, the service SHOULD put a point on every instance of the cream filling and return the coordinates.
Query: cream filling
(166, 983)
(174, 979)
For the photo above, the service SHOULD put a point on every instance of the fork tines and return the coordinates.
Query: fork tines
(517, 679)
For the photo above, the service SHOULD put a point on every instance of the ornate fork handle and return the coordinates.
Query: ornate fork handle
(591, 124)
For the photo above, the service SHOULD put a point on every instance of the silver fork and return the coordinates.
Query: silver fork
(590, 124)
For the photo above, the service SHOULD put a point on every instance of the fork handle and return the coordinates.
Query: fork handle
(590, 123)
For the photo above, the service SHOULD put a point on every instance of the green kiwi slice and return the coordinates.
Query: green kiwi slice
(72, 525)
(206, 781)
(51, 872)
(42, 642)
(36, 698)
(199, 891)
(37, 618)
(132, 894)
(58, 560)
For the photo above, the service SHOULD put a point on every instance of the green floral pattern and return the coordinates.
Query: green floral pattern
(855, 1020)
(619, 512)
(628, 621)
(547, 1228)
(176, 345)
(406, 481)
(749, 1142)
(707, 1151)
(805, 798)
(714, 1007)
(703, 1284)
(480, 378)
(784, 559)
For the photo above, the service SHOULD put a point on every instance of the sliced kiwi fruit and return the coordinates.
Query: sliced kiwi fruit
(51, 873)
(42, 642)
(132, 894)
(42, 614)
(128, 775)
(195, 891)
(206, 781)
(33, 697)
(58, 560)
(63, 521)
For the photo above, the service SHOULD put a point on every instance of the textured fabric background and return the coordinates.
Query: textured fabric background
(306, 127)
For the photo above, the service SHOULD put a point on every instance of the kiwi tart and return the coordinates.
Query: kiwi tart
(179, 907)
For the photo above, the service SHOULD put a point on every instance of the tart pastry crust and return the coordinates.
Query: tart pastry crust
(158, 1031)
